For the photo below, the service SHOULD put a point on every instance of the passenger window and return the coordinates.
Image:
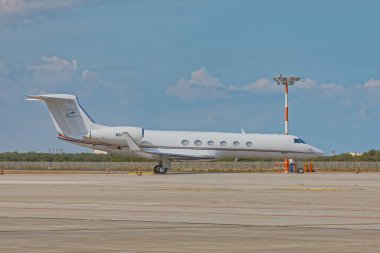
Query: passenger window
(223, 143)
(236, 143)
(248, 144)
(197, 142)
(210, 143)
(185, 142)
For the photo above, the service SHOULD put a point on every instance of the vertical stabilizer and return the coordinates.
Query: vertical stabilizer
(68, 116)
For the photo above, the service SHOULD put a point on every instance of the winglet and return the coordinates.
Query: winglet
(131, 142)
(242, 131)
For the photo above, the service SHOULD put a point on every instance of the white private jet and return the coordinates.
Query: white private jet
(75, 126)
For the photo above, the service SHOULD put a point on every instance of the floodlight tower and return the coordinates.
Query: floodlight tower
(286, 81)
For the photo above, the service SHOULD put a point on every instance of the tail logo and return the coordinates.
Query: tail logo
(71, 113)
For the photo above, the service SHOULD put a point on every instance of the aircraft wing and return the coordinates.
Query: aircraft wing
(132, 143)
(180, 154)
(173, 154)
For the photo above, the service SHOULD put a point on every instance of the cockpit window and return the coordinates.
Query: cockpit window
(299, 141)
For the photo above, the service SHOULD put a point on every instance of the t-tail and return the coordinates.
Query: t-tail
(68, 116)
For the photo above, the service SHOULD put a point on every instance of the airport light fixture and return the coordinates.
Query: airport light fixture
(286, 81)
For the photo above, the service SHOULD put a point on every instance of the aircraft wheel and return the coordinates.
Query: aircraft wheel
(162, 170)
(157, 169)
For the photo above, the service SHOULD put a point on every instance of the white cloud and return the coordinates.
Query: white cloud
(201, 85)
(89, 75)
(202, 78)
(24, 12)
(52, 64)
(332, 89)
(372, 84)
(53, 70)
(204, 85)
(262, 84)
(306, 84)
(93, 79)
(47, 74)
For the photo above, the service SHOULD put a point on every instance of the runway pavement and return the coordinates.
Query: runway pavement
(190, 213)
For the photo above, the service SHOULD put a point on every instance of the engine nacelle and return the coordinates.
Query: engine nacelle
(115, 135)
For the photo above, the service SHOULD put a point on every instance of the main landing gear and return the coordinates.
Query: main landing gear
(162, 166)
(159, 169)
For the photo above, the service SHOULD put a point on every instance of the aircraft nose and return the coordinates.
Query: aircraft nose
(317, 151)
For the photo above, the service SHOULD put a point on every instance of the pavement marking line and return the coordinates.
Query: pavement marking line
(314, 189)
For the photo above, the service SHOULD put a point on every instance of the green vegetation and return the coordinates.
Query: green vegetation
(64, 157)
(370, 156)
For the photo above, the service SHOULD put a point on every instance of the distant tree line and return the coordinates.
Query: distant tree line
(65, 157)
(372, 155)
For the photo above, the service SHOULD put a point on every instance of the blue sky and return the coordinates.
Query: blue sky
(193, 65)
